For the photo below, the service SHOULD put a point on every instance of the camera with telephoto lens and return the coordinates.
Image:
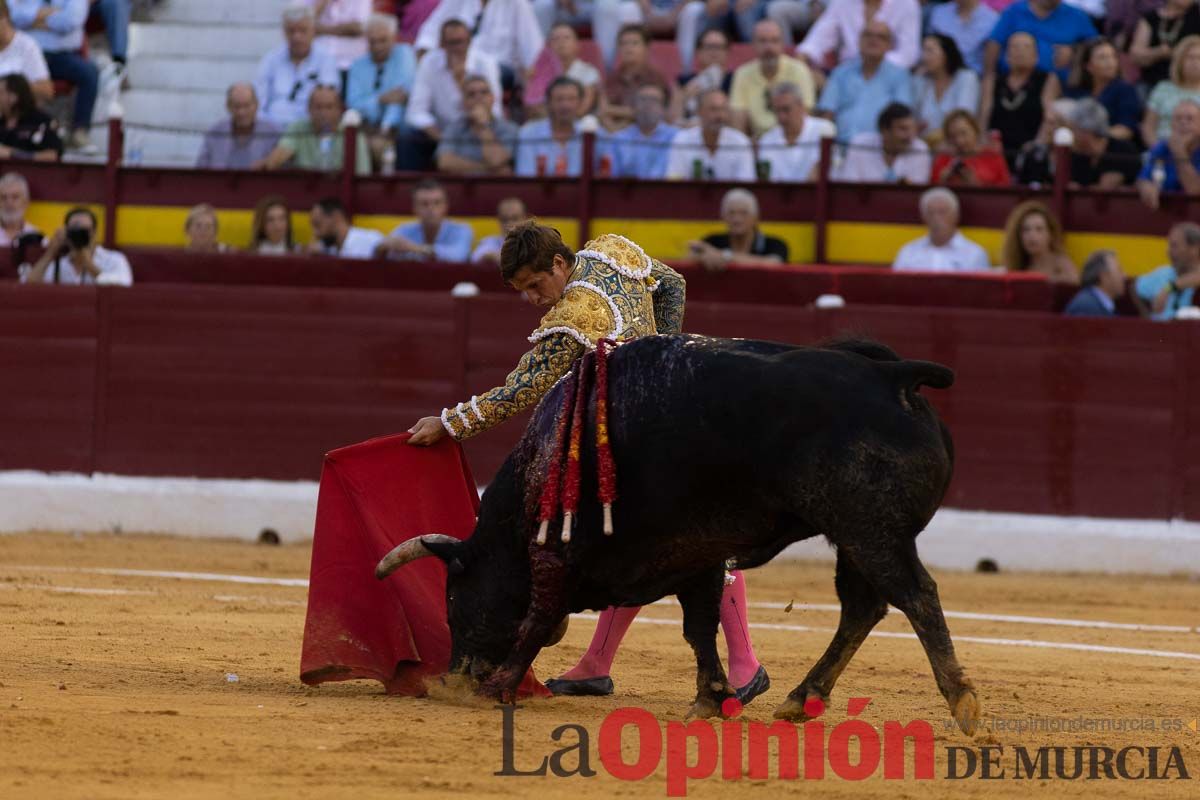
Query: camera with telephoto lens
(78, 238)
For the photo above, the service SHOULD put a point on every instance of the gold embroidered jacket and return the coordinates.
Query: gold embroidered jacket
(615, 291)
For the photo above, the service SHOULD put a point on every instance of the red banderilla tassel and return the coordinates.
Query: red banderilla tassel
(548, 505)
(570, 493)
(607, 470)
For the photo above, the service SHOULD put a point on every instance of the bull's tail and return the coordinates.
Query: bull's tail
(914, 374)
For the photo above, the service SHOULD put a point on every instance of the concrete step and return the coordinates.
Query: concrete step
(185, 73)
(195, 41)
(149, 148)
(237, 12)
(185, 110)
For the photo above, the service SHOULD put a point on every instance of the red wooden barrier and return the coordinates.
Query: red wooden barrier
(1049, 414)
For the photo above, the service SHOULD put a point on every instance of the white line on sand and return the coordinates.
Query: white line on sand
(1091, 648)
(302, 582)
(75, 589)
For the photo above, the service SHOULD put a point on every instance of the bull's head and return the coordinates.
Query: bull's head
(487, 596)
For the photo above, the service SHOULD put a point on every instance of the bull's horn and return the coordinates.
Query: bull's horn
(410, 551)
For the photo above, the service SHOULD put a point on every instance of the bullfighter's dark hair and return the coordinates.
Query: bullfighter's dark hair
(532, 245)
(893, 113)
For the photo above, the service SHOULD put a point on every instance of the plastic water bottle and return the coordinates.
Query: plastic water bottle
(134, 151)
(387, 163)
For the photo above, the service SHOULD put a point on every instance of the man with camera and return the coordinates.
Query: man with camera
(73, 256)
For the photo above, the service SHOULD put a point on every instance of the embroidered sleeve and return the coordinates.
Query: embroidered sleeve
(669, 290)
(585, 313)
(537, 371)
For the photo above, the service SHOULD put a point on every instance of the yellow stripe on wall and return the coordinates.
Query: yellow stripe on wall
(877, 243)
(48, 217)
(668, 239)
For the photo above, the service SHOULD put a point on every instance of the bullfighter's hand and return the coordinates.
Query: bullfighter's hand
(427, 431)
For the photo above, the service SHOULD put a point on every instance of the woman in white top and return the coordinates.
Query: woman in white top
(942, 83)
(272, 228)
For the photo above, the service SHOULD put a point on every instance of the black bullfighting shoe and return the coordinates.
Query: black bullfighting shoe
(757, 685)
(597, 687)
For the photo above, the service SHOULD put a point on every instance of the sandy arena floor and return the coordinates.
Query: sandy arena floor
(114, 686)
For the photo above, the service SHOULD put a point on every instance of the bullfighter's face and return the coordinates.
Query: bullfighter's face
(542, 288)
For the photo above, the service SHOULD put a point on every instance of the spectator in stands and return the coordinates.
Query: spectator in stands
(436, 99)
(894, 154)
(712, 150)
(794, 17)
(1160, 293)
(742, 242)
(57, 27)
(288, 74)
(1173, 164)
(860, 88)
(1018, 100)
(840, 27)
(739, 16)
(14, 203)
(271, 231)
(640, 150)
(510, 213)
(942, 83)
(333, 235)
(561, 57)
(632, 71)
(943, 248)
(1033, 242)
(552, 146)
(340, 28)
(507, 30)
(966, 161)
(73, 256)
(682, 18)
(114, 15)
(317, 142)
(26, 132)
(1098, 76)
(712, 56)
(21, 54)
(1157, 33)
(243, 140)
(479, 143)
(753, 80)
(1184, 84)
(201, 228)
(1055, 27)
(791, 150)
(431, 236)
(1097, 159)
(379, 83)
(968, 23)
(1101, 283)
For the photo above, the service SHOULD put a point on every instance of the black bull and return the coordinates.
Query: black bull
(726, 450)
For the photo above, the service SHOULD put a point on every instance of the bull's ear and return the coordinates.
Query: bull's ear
(449, 552)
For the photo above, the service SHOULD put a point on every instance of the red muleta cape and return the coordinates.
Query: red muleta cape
(373, 496)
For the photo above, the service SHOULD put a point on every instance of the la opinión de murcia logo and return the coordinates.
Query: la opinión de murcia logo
(704, 749)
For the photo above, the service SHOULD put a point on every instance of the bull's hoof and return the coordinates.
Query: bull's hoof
(499, 687)
(703, 708)
(965, 709)
(796, 709)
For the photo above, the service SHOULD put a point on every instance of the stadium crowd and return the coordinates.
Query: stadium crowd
(957, 93)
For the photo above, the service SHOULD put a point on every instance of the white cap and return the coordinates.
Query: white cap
(464, 289)
(831, 301)
(1063, 137)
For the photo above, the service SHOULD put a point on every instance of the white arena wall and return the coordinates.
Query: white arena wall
(955, 539)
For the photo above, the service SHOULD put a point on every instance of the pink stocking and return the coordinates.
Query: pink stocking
(610, 629)
(743, 664)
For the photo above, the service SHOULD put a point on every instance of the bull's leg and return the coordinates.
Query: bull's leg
(903, 581)
(862, 608)
(547, 609)
(701, 602)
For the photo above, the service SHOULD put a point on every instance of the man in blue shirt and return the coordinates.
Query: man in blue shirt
(1162, 292)
(378, 84)
(1055, 26)
(431, 237)
(859, 89)
(552, 146)
(1173, 164)
(1102, 282)
(968, 23)
(640, 150)
(57, 27)
(288, 74)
